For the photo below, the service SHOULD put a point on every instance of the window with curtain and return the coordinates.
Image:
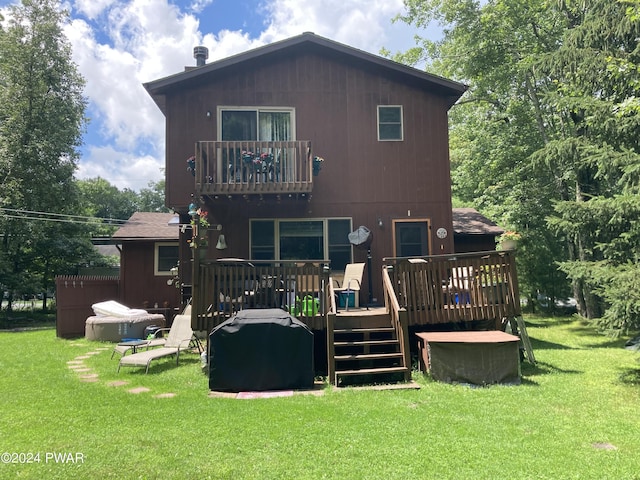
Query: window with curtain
(268, 125)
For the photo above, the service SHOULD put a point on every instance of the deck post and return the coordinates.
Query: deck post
(331, 350)
(406, 349)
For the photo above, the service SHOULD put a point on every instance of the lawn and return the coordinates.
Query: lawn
(576, 415)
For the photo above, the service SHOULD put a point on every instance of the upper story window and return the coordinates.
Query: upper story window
(273, 124)
(390, 126)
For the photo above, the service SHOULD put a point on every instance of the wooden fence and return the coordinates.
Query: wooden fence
(74, 297)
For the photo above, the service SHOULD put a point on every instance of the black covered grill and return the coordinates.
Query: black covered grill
(261, 349)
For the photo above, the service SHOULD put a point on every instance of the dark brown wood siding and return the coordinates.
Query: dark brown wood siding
(336, 109)
(139, 286)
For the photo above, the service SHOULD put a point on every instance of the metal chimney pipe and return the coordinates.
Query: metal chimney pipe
(200, 54)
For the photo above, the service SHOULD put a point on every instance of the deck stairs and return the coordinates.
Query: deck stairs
(367, 350)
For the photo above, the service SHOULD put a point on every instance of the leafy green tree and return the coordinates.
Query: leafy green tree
(152, 198)
(495, 127)
(545, 141)
(595, 155)
(108, 205)
(41, 125)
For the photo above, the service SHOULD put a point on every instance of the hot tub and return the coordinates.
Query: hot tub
(114, 329)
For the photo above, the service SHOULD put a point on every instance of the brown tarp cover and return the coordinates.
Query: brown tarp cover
(477, 358)
(261, 349)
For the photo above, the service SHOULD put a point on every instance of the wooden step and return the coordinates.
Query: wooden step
(369, 356)
(361, 343)
(370, 371)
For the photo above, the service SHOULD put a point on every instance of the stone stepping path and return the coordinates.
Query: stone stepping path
(87, 375)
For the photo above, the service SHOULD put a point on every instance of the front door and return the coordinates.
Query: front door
(411, 238)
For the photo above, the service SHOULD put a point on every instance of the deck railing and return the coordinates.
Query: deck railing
(226, 287)
(456, 288)
(245, 167)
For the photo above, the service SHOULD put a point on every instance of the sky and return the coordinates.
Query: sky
(118, 45)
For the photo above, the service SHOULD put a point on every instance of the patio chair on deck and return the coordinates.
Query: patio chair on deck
(180, 338)
(460, 284)
(351, 282)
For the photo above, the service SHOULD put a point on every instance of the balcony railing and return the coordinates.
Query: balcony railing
(245, 167)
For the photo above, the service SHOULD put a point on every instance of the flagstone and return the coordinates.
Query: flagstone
(118, 383)
(139, 390)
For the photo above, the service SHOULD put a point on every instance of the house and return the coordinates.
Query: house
(473, 232)
(279, 155)
(149, 250)
(291, 146)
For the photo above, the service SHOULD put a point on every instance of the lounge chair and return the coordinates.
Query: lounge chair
(150, 343)
(180, 337)
(351, 282)
(153, 342)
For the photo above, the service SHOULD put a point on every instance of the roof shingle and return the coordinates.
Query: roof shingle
(148, 226)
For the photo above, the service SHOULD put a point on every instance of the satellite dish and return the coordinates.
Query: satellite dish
(361, 238)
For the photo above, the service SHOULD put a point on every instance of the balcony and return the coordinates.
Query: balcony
(251, 167)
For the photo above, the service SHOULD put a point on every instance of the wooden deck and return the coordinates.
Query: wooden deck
(460, 288)
(418, 292)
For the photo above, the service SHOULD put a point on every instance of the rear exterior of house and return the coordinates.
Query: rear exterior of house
(245, 137)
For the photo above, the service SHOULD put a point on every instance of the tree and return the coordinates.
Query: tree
(152, 198)
(109, 206)
(494, 128)
(41, 123)
(546, 138)
(595, 154)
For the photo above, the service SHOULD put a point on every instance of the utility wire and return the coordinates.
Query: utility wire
(61, 220)
(64, 218)
(62, 215)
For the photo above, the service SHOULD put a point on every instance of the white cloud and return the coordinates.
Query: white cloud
(364, 24)
(198, 5)
(92, 8)
(121, 168)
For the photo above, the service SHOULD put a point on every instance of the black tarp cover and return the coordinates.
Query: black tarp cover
(261, 349)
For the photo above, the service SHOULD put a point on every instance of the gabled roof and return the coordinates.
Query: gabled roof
(148, 226)
(307, 42)
(468, 221)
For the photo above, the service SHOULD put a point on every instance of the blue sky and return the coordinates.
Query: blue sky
(120, 44)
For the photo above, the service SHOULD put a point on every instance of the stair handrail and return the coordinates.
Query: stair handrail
(399, 320)
(330, 316)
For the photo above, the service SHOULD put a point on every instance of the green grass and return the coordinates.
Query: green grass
(584, 392)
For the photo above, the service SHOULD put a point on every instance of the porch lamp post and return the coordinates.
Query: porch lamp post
(195, 266)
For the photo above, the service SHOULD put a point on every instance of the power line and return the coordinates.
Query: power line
(58, 217)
